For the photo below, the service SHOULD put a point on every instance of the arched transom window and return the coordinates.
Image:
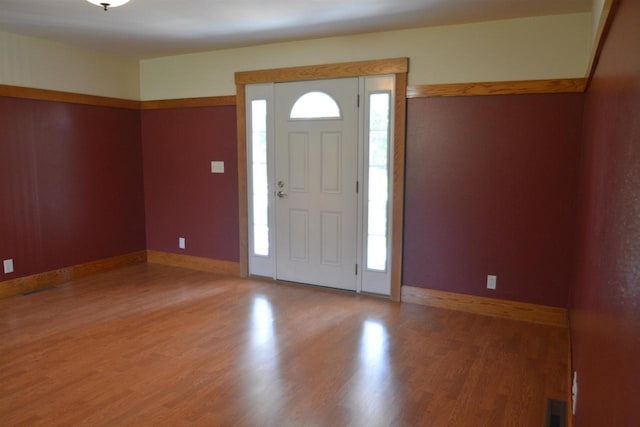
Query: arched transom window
(315, 105)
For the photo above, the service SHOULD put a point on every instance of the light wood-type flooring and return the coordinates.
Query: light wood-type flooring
(163, 346)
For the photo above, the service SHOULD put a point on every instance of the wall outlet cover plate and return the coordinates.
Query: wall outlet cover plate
(8, 266)
(491, 281)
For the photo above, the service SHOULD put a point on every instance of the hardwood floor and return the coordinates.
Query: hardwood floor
(156, 345)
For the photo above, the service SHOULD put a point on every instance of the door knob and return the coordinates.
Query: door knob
(281, 194)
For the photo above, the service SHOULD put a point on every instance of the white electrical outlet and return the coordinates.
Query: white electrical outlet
(217, 167)
(8, 266)
(491, 281)
(574, 392)
(181, 242)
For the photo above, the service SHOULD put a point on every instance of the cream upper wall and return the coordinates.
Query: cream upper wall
(43, 64)
(518, 49)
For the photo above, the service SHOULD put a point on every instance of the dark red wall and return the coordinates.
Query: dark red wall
(183, 198)
(70, 184)
(605, 308)
(491, 186)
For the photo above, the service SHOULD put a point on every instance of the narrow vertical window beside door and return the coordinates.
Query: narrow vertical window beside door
(259, 177)
(377, 221)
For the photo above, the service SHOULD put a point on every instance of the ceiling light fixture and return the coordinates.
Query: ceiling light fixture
(106, 4)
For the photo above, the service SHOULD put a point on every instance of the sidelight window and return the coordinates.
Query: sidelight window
(259, 177)
(378, 180)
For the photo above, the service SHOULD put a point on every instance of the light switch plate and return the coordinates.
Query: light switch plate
(491, 281)
(181, 243)
(8, 266)
(217, 167)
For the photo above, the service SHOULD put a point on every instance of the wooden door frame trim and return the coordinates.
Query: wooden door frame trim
(397, 66)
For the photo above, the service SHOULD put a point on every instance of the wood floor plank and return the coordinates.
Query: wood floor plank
(156, 345)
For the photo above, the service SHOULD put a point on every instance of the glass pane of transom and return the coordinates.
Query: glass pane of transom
(315, 105)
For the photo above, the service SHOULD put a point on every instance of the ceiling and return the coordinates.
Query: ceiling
(152, 28)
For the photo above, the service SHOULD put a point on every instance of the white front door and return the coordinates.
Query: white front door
(309, 144)
(316, 157)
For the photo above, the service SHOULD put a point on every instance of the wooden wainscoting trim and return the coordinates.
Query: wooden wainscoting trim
(34, 282)
(194, 263)
(211, 101)
(499, 88)
(533, 313)
(73, 98)
(103, 101)
(324, 71)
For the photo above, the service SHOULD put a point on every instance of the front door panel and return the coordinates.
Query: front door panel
(316, 173)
